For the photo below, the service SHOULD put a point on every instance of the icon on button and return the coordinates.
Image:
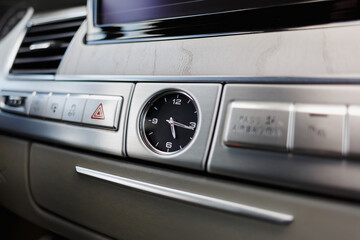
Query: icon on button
(99, 113)
(54, 107)
(72, 110)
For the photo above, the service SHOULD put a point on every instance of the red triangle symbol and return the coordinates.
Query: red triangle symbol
(99, 113)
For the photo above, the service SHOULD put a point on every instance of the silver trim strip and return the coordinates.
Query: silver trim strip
(338, 78)
(192, 198)
(31, 77)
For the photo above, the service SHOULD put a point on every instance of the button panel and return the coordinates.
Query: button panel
(293, 127)
(257, 124)
(324, 121)
(94, 110)
(319, 128)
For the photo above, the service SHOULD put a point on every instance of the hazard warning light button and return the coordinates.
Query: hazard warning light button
(102, 111)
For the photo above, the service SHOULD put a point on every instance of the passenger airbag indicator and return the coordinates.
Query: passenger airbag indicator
(257, 124)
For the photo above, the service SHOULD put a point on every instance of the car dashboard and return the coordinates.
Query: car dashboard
(238, 120)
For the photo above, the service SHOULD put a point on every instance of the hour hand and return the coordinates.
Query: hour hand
(172, 127)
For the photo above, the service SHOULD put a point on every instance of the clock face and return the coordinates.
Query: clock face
(169, 122)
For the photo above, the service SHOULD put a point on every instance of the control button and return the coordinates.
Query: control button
(102, 111)
(354, 130)
(257, 124)
(15, 102)
(74, 108)
(55, 106)
(319, 128)
(38, 104)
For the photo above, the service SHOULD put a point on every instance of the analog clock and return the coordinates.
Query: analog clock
(169, 122)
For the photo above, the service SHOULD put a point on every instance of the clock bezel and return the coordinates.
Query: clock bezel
(145, 110)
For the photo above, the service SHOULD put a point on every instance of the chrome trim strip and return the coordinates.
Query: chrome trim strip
(192, 198)
(30, 77)
(343, 79)
(346, 78)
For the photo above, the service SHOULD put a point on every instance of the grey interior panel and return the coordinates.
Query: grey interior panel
(87, 136)
(16, 195)
(269, 54)
(125, 213)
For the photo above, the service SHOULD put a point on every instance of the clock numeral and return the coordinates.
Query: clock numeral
(193, 124)
(177, 101)
(168, 144)
(154, 121)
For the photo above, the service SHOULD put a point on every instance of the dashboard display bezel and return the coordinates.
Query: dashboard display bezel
(244, 21)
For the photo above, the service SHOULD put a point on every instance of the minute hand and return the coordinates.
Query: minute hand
(182, 125)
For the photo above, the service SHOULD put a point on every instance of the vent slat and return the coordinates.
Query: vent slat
(37, 59)
(44, 46)
(27, 50)
(48, 37)
(40, 28)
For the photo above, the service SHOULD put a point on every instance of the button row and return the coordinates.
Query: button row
(87, 109)
(294, 127)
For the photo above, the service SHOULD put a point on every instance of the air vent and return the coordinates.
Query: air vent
(44, 46)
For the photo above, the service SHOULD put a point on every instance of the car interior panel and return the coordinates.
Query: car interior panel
(175, 119)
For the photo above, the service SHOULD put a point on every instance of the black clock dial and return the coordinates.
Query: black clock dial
(169, 122)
